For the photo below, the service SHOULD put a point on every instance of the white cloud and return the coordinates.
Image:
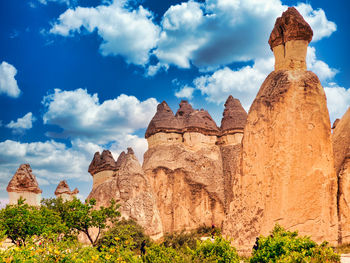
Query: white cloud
(125, 32)
(219, 32)
(67, 2)
(242, 84)
(22, 124)
(338, 100)
(318, 21)
(50, 161)
(8, 83)
(80, 115)
(322, 70)
(185, 92)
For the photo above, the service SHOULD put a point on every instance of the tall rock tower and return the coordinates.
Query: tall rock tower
(287, 164)
(24, 184)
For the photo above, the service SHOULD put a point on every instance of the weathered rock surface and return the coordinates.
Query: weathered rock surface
(24, 184)
(131, 189)
(64, 191)
(341, 148)
(287, 159)
(24, 181)
(102, 162)
(234, 117)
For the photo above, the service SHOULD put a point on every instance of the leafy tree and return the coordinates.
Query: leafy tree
(21, 221)
(286, 246)
(81, 217)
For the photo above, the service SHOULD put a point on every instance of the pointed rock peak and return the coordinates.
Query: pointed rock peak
(130, 151)
(234, 116)
(335, 123)
(121, 159)
(185, 109)
(63, 188)
(290, 26)
(24, 181)
(102, 162)
(163, 121)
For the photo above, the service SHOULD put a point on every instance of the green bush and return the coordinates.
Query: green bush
(127, 232)
(161, 254)
(286, 246)
(218, 250)
(180, 240)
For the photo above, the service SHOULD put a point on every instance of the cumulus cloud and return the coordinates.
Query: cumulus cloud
(8, 83)
(81, 115)
(51, 161)
(322, 70)
(243, 83)
(66, 2)
(125, 32)
(219, 32)
(185, 92)
(338, 100)
(22, 124)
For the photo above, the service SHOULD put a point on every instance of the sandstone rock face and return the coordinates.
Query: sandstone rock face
(131, 189)
(341, 148)
(64, 191)
(287, 158)
(24, 184)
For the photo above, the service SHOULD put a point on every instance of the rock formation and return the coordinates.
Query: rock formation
(287, 165)
(341, 148)
(24, 184)
(64, 191)
(130, 188)
(102, 167)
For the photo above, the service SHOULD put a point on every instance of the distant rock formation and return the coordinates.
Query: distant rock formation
(102, 167)
(24, 184)
(64, 191)
(341, 148)
(128, 185)
(287, 165)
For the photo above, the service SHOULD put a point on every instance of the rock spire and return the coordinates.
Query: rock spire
(102, 162)
(63, 188)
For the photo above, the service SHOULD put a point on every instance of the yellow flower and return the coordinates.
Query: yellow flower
(108, 257)
(117, 238)
(95, 257)
(112, 250)
(119, 259)
(126, 242)
(57, 252)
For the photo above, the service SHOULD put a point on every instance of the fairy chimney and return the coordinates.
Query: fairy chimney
(102, 167)
(24, 185)
(63, 191)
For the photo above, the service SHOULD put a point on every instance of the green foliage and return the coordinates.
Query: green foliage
(66, 251)
(80, 217)
(127, 232)
(181, 240)
(21, 221)
(286, 246)
(219, 250)
(161, 254)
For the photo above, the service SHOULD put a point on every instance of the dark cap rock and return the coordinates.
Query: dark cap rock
(63, 188)
(290, 26)
(24, 181)
(102, 162)
(234, 116)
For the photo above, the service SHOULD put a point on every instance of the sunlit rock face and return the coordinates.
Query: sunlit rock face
(63, 191)
(341, 147)
(24, 184)
(130, 188)
(187, 169)
(287, 158)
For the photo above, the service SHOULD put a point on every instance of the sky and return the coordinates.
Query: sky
(80, 76)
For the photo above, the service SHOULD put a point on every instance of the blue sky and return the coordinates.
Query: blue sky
(79, 76)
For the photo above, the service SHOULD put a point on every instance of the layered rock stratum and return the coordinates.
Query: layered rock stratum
(24, 185)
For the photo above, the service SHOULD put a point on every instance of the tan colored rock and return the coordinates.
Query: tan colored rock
(64, 191)
(131, 189)
(102, 162)
(341, 149)
(188, 184)
(287, 159)
(24, 184)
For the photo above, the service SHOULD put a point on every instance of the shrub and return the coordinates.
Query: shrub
(161, 254)
(286, 246)
(128, 232)
(219, 250)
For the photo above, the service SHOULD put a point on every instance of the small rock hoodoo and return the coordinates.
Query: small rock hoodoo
(24, 185)
(64, 191)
